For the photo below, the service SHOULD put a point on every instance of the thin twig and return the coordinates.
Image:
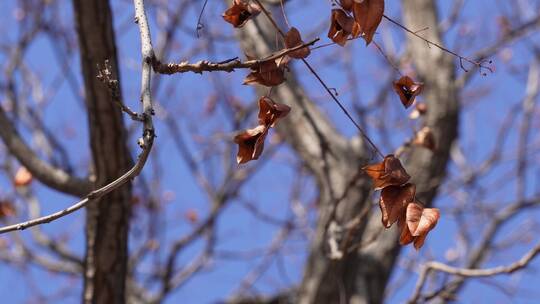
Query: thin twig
(145, 142)
(199, 24)
(478, 64)
(467, 272)
(227, 65)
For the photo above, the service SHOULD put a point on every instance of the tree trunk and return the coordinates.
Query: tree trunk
(107, 223)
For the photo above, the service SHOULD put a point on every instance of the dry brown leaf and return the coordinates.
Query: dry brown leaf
(389, 172)
(250, 144)
(240, 12)
(346, 4)
(270, 112)
(341, 27)
(368, 15)
(394, 201)
(6, 209)
(420, 221)
(407, 90)
(293, 39)
(405, 236)
(22, 178)
(267, 73)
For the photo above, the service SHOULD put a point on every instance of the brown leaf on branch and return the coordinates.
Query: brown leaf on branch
(394, 201)
(240, 12)
(419, 221)
(368, 15)
(293, 39)
(407, 90)
(389, 172)
(341, 27)
(425, 138)
(270, 112)
(268, 73)
(250, 144)
(22, 178)
(6, 209)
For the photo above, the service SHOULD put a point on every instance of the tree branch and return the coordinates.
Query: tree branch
(145, 142)
(468, 272)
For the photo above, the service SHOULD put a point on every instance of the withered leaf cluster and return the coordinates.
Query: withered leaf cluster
(251, 142)
(398, 202)
(269, 72)
(366, 17)
(272, 72)
(407, 90)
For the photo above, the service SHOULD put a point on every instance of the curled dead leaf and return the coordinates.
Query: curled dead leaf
(240, 12)
(389, 172)
(270, 112)
(250, 144)
(341, 27)
(425, 138)
(394, 201)
(293, 39)
(420, 221)
(407, 90)
(368, 15)
(22, 178)
(267, 73)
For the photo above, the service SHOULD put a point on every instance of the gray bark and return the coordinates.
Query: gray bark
(107, 220)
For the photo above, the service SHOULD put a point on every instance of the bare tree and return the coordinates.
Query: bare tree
(141, 248)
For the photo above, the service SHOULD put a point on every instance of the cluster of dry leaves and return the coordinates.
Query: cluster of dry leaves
(366, 16)
(251, 142)
(353, 19)
(398, 202)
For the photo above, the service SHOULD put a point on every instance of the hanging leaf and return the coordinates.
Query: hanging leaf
(250, 144)
(267, 73)
(389, 172)
(240, 12)
(407, 90)
(22, 178)
(270, 112)
(368, 15)
(293, 39)
(394, 201)
(405, 236)
(420, 221)
(341, 27)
